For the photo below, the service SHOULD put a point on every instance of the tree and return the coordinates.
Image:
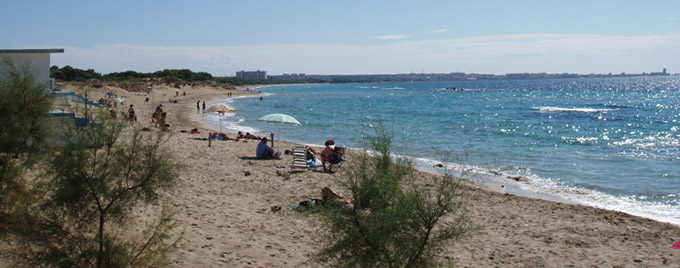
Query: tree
(393, 221)
(68, 73)
(24, 105)
(90, 185)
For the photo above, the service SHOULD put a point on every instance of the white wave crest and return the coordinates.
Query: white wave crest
(549, 109)
(535, 186)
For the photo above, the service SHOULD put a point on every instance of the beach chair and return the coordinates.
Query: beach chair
(299, 158)
(336, 162)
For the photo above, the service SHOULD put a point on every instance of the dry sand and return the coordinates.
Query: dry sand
(227, 218)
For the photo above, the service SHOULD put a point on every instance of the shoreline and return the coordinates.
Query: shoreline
(503, 182)
(224, 204)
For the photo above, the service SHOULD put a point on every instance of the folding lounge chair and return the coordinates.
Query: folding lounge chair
(336, 163)
(299, 158)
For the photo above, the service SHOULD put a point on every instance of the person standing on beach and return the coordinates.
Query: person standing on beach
(146, 99)
(132, 115)
(198, 107)
(203, 106)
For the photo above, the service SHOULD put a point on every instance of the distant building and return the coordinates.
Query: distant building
(261, 75)
(38, 59)
(291, 76)
(662, 73)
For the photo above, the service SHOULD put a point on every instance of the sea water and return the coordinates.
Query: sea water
(612, 143)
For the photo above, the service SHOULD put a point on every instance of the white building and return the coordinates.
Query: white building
(261, 75)
(39, 62)
(38, 59)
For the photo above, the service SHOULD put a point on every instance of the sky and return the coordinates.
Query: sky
(351, 37)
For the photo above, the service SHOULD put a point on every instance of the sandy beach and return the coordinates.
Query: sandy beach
(224, 202)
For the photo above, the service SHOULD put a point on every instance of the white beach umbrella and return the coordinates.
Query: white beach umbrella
(280, 119)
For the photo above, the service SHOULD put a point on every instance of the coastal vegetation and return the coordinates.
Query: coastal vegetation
(23, 131)
(393, 220)
(84, 199)
(74, 209)
(69, 74)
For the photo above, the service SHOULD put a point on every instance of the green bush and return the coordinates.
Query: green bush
(87, 192)
(393, 222)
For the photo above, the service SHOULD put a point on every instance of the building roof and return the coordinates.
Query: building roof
(32, 50)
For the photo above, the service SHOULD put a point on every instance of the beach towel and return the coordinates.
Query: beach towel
(676, 245)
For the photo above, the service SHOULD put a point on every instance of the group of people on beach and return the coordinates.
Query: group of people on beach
(198, 107)
(328, 156)
(239, 136)
(158, 117)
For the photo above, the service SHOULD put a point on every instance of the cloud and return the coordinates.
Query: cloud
(392, 37)
(583, 53)
(438, 31)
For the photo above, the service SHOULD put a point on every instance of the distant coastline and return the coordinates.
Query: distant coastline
(455, 76)
(178, 77)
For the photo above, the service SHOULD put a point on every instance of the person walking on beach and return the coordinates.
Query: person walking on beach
(132, 115)
(146, 99)
(203, 106)
(198, 107)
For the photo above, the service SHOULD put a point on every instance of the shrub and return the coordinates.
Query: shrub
(393, 222)
(88, 190)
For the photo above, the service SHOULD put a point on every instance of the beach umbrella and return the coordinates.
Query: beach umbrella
(111, 94)
(280, 119)
(221, 108)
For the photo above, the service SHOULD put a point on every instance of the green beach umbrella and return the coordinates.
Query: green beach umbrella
(280, 119)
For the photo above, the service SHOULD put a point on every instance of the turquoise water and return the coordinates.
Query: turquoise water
(612, 143)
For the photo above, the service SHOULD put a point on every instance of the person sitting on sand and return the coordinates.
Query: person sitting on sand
(264, 151)
(328, 155)
(310, 156)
